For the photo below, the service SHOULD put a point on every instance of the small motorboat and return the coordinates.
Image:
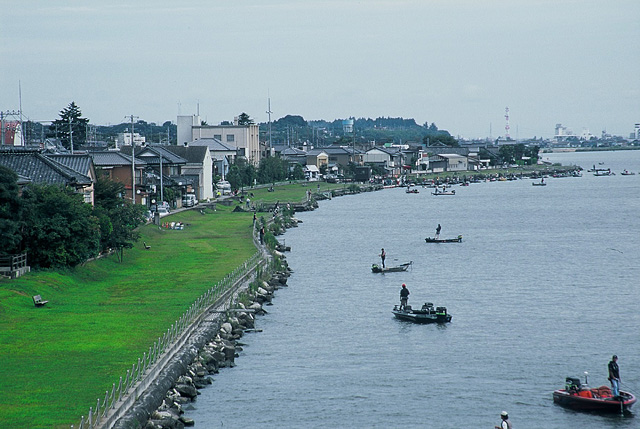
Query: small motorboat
(458, 239)
(427, 314)
(411, 191)
(628, 173)
(539, 184)
(583, 398)
(452, 192)
(378, 269)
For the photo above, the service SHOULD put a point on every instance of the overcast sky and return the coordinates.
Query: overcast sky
(457, 63)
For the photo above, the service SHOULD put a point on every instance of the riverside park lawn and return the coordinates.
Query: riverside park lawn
(57, 360)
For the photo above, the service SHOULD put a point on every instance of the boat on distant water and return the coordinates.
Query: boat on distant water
(458, 239)
(598, 399)
(628, 173)
(603, 172)
(412, 190)
(452, 192)
(427, 314)
(375, 268)
(539, 184)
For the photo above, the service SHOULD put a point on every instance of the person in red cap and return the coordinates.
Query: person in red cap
(404, 296)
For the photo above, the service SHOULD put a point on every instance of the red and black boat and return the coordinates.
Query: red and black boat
(599, 399)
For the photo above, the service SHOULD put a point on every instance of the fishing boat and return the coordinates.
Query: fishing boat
(603, 172)
(411, 191)
(458, 239)
(539, 184)
(627, 173)
(427, 314)
(599, 399)
(375, 268)
(452, 192)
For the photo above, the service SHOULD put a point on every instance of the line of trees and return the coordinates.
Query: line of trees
(57, 228)
(270, 170)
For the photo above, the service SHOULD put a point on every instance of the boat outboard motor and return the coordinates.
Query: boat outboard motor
(572, 384)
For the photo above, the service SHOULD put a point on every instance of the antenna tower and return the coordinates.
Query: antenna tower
(506, 126)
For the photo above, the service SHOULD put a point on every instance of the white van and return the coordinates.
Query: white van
(189, 200)
(224, 187)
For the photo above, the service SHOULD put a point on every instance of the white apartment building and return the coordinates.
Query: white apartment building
(124, 139)
(245, 137)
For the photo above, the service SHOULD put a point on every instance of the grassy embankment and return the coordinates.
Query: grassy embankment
(56, 361)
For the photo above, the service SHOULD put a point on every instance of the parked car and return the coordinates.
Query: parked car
(189, 200)
(163, 211)
(224, 187)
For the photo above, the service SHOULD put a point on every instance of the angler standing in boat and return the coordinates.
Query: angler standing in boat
(404, 296)
(505, 423)
(438, 229)
(382, 256)
(614, 376)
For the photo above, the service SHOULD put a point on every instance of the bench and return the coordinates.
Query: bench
(38, 302)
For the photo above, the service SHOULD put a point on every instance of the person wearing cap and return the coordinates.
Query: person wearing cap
(614, 376)
(404, 296)
(505, 423)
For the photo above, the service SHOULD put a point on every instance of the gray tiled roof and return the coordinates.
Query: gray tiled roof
(111, 159)
(193, 154)
(39, 168)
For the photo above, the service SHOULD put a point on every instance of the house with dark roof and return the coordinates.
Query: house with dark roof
(390, 158)
(222, 154)
(33, 166)
(199, 166)
(116, 166)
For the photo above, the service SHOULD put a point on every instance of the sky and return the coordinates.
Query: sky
(455, 63)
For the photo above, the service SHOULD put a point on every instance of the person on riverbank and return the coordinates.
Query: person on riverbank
(383, 255)
(505, 423)
(404, 297)
(614, 376)
(438, 229)
(262, 235)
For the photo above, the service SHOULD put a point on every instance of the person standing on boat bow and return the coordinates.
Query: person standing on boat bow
(505, 423)
(404, 296)
(614, 376)
(438, 229)
(383, 255)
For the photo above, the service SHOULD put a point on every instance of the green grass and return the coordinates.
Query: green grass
(57, 360)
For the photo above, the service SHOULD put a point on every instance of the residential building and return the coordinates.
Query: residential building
(124, 139)
(245, 137)
(33, 166)
(116, 166)
(199, 166)
(222, 154)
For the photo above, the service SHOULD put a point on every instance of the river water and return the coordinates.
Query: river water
(543, 286)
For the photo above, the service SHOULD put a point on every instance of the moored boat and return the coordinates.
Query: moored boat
(427, 314)
(539, 184)
(402, 267)
(458, 239)
(599, 399)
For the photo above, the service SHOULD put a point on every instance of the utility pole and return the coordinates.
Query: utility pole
(269, 112)
(71, 134)
(133, 162)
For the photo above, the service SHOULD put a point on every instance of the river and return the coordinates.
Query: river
(543, 286)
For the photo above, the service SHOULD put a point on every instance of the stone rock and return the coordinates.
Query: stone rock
(187, 391)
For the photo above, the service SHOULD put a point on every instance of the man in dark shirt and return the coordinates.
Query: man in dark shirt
(614, 376)
(404, 296)
(383, 255)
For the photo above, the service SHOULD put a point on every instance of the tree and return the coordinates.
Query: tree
(59, 228)
(272, 169)
(117, 217)
(244, 119)
(71, 125)
(10, 236)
